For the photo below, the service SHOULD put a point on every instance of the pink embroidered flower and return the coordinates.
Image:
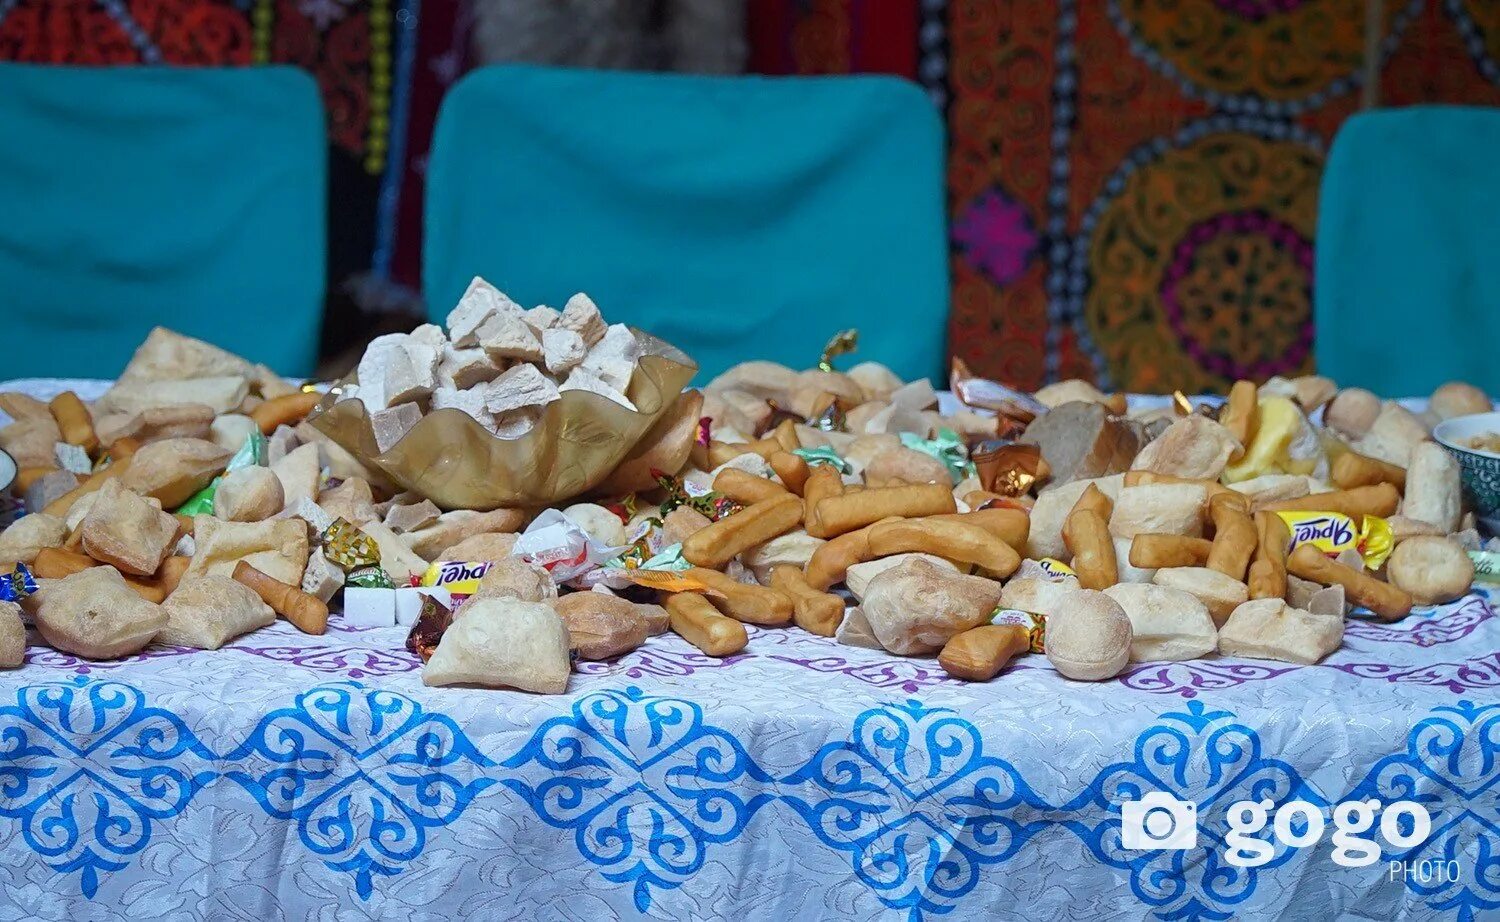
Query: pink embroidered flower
(995, 234)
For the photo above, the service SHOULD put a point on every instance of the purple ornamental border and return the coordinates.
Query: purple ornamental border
(675, 658)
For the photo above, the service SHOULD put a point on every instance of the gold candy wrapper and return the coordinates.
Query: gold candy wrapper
(842, 343)
(347, 548)
(449, 458)
(1009, 469)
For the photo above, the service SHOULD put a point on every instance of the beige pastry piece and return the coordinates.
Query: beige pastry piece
(166, 355)
(206, 612)
(907, 465)
(223, 394)
(795, 548)
(813, 611)
(410, 517)
(951, 540)
(1088, 637)
(174, 469)
(1387, 601)
(1433, 491)
(28, 535)
(857, 577)
(1218, 592)
(1431, 569)
(855, 631)
(602, 525)
(1193, 447)
(1272, 629)
(695, 620)
(1083, 440)
(277, 548)
(1051, 511)
(1159, 509)
(877, 381)
(1458, 398)
(12, 636)
(1165, 624)
(1072, 389)
(95, 614)
(715, 546)
(1042, 596)
(249, 494)
(298, 473)
(513, 578)
(1271, 488)
(748, 602)
(431, 541)
(658, 621)
(32, 441)
(1352, 412)
(810, 385)
(980, 653)
(917, 607)
(685, 521)
(127, 530)
(321, 579)
(503, 642)
(492, 546)
(601, 627)
(353, 501)
(1395, 432)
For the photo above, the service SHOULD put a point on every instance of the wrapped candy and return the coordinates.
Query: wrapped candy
(432, 622)
(459, 577)
(17, 584)
(1034, 623)
(679, 493)
(357, 554)
(1332, 533)
(559, 545)
(946, 447)
(252, 453)
(1015, 408)
(831, 418)
(824, 455)
(842, 343)
(1008, 468)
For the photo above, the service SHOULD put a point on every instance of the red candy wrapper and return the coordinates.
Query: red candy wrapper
(432, 621)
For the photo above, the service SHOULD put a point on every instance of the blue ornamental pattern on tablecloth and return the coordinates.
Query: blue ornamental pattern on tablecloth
(90, 769)
(363, 774)
(645, 786)
(1452, 767)
(648, 788)
(916, 803)
(1201, 757)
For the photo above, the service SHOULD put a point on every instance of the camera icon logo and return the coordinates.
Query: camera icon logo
(1158, 821)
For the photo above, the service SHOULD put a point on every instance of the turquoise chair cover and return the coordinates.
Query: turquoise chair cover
(1407, 287)
(137, 196)
(735, 217)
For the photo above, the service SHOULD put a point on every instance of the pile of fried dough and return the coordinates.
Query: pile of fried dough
(842, 503)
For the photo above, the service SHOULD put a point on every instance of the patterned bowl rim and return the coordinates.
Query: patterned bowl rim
(1448, 433)
(8, 470)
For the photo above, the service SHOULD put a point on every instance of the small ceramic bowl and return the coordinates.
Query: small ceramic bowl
(7, 472)
(1480, 470)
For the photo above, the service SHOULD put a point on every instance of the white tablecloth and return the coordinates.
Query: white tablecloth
(290, 776)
